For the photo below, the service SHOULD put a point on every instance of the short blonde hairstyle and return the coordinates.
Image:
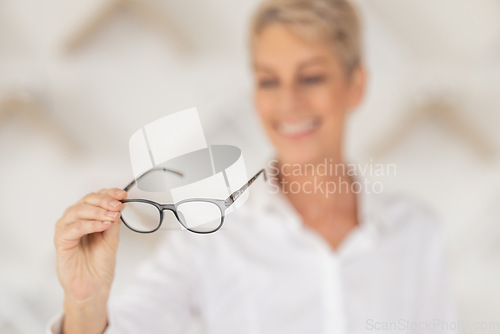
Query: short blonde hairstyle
(333, 21)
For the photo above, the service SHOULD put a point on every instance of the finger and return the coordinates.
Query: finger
(116, 193)
(85, 211)
(83, 227)
(103, 200)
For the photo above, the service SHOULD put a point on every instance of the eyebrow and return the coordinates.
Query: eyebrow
(308, 62)
(312, 61)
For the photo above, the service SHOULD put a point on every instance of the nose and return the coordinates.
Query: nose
(289, 100)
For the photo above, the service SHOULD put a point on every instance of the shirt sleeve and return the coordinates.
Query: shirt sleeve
(162, 297)
(55, 324)
(435, 310)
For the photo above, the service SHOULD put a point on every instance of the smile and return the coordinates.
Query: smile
(297, 129)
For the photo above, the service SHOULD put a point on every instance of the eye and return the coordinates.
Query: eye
(312, 80)
(268, 83)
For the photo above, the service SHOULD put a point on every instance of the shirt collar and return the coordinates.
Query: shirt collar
(267, 199)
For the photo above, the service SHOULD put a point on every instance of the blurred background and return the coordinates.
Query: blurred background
(78, 78)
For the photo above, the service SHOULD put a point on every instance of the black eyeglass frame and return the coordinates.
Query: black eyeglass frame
(222, 204)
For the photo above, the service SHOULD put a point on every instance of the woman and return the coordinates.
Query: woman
(293, 260)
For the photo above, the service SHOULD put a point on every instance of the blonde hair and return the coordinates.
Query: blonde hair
(334, 21)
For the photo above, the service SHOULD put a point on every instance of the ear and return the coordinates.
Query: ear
(357, 89)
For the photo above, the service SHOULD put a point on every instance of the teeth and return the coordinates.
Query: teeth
(296, 128)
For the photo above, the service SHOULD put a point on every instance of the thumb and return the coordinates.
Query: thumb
(112, 234)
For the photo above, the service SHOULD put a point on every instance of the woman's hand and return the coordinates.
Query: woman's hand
(86, 240)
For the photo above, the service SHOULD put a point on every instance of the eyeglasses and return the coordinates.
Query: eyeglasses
(198, 215)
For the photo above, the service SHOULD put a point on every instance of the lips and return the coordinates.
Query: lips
(297, 129)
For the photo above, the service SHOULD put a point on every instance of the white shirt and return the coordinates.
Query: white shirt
(265, 272)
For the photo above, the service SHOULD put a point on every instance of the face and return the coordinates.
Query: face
(302, 95)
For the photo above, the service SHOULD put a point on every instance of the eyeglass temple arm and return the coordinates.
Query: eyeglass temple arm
(234, 196)
(166, 170)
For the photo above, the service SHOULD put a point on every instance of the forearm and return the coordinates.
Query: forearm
(85, 317)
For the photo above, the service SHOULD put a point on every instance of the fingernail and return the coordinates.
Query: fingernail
(114, 203)
(111, 214)
(106, 223)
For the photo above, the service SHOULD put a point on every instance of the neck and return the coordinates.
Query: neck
(316, 188)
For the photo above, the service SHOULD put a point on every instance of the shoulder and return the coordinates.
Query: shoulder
(403, 213)
(406, 226)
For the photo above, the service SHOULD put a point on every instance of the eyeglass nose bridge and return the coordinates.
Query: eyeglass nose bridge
(169, 207)
(177, 214)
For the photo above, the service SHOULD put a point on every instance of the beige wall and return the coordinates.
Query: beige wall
(422, 56)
